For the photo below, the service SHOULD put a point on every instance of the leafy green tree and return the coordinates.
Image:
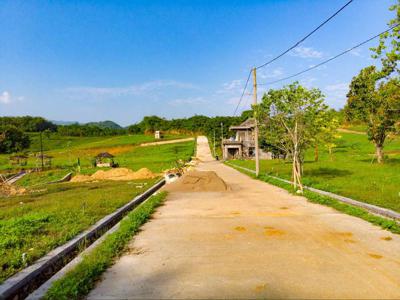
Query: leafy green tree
(377, 103)
(292, 118)
(13, 140)
(328, 134)
(28, 123)
(388, 50)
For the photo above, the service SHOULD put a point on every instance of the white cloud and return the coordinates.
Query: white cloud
(336, 94)
(272, 74)
(140, 89)
(188, 101)
(323, 67)
(306, 52)
(5, 97)
(356, 52)
(308, 82)
(231, 86)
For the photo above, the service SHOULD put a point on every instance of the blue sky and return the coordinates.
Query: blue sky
(121, 60)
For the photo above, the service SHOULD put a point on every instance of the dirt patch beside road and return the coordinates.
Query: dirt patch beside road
(198, 181)
(122, 174)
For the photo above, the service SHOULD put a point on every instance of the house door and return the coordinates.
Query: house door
(233, 153)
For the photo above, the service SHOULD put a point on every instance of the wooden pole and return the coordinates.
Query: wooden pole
(214, 143)
(41, 148)
(255, 122)
(222, 140)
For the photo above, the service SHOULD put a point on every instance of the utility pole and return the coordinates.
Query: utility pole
(222, 140)
(255, 121)
(41, 148)
(214, 142)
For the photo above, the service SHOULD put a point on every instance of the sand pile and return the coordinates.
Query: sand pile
(10, 190)
(198, 181)
(116, 174)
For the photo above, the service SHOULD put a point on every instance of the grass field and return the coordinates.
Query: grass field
(351, 172)
(49, 215)
(36, 223)
(66, 150)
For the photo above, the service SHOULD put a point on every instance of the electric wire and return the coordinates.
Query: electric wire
(332, 58)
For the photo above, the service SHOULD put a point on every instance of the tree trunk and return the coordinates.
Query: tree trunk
(316, 153)
(379, 153)
(330, 153)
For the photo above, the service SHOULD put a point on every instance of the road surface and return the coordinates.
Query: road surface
(252, 241)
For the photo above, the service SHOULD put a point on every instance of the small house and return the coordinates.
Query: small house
(104, 159)
(19, 160)
(242, 145)
(158, 135)
(43, 160)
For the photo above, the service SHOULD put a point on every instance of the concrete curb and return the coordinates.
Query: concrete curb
(27, 280)
(42, 290)
(384, 212)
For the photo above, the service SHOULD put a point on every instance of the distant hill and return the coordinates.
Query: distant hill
(105, 124)
(63, 122)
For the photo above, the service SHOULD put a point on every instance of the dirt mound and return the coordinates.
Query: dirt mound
(198, 181)
(116, 174)
(10, 190)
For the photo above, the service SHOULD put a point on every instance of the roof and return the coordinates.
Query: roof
(18, 157)
(104, 155)
(248, 124)
(44, 156)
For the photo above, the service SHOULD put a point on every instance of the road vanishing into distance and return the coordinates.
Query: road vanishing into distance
(253, 240)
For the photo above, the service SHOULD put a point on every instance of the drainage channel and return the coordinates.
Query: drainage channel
(29, 279)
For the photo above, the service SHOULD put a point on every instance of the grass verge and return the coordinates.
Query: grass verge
(384, 223)
(350, 171)
(79, 281)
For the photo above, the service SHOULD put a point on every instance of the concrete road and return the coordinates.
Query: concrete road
(253, 241)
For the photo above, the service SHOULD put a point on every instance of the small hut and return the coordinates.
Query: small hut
(43, 160)
(158, 135)
(104, 159)
(19, 160)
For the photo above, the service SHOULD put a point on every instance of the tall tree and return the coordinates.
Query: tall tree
(388, 50)
(376, 102)
(12, 139)
(293, 118)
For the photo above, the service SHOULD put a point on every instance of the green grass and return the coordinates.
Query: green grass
(350, 172)
(157, 158)
(356, 127)
(79, 281)
(38, 222)
(384, 223)
(66, 150)
(50, 215)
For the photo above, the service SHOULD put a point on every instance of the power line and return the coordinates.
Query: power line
(241, 97)
(304, 38)
(288, 50)
(332, 58)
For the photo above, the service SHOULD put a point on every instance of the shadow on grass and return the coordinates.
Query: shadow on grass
(327, 173)
(392, 161)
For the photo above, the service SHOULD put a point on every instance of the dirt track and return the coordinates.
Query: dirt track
(253, 241)
(167, 142)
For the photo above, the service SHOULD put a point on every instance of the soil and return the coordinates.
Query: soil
(118, 174)
(198, 181)
(10, 190)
